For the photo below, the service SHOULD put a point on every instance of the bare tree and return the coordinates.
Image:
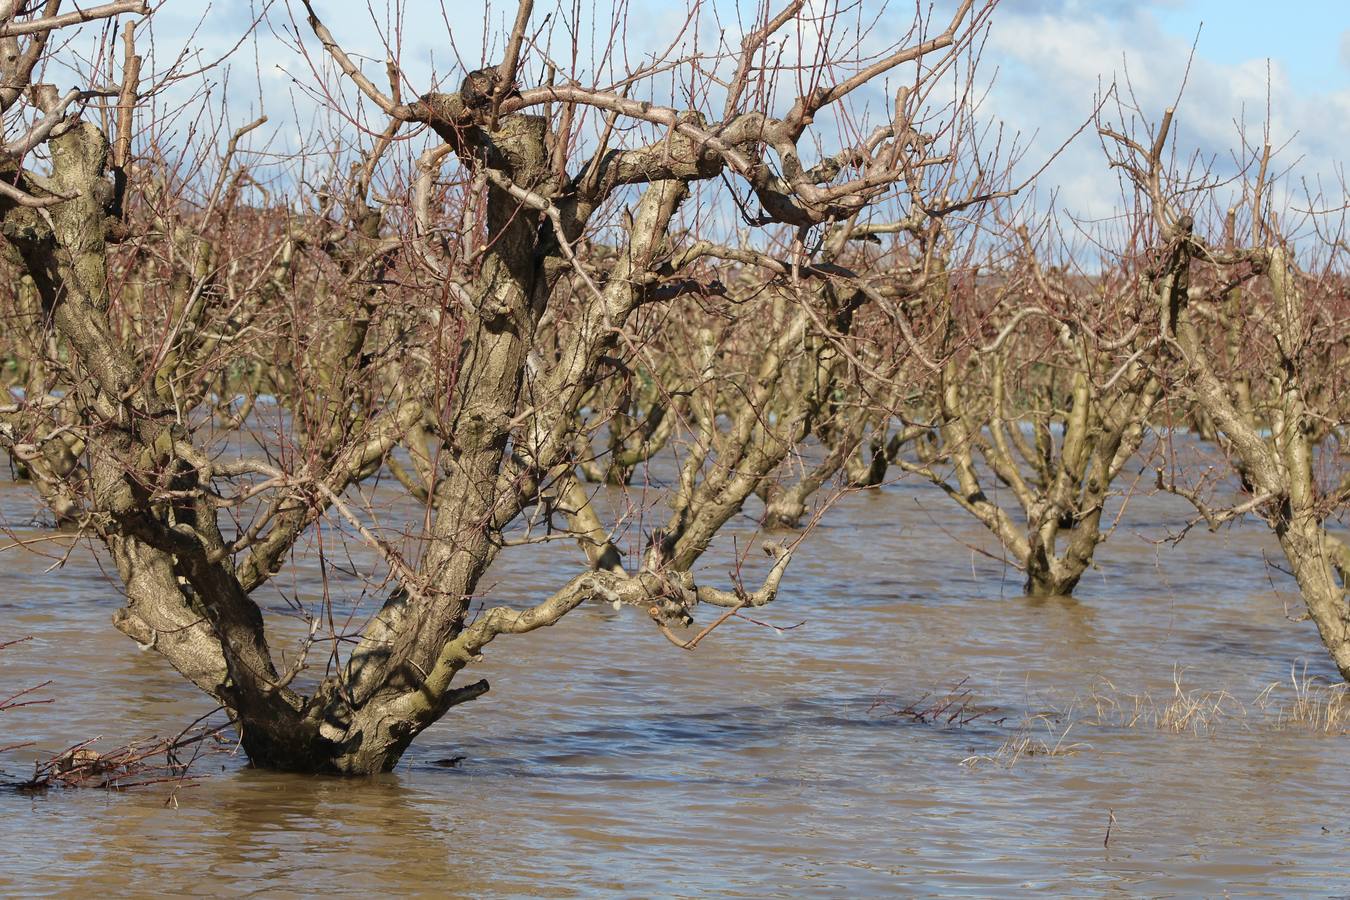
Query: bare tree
(454, 324)
(1039, 403)
(1253, 338)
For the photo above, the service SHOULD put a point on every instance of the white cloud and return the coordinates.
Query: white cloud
(1051, 64)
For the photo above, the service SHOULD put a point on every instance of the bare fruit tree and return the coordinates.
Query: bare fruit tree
(1252, 333)
(1039, 403)
(531, 242)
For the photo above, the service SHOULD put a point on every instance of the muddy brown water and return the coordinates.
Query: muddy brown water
(607, 763)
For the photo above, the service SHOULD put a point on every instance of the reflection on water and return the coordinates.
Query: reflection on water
(605, 762)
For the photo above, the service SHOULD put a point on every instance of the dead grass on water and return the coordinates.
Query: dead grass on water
(1304, 703)
(1185, 710)
(1316, 706)
(1043, 734)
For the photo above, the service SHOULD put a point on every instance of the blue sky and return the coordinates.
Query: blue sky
(1046, 59)
(1310, 38)
(1049, 52)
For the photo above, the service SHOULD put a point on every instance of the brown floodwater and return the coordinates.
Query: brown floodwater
(605, 762)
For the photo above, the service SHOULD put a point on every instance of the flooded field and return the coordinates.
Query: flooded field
(773, 761)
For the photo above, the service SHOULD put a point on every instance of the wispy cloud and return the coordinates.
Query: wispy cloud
(1053, 61)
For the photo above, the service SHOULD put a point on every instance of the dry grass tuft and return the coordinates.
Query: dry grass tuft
(1317, 706)
(1038, 735)
(1314, 706)
(1198, 712)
